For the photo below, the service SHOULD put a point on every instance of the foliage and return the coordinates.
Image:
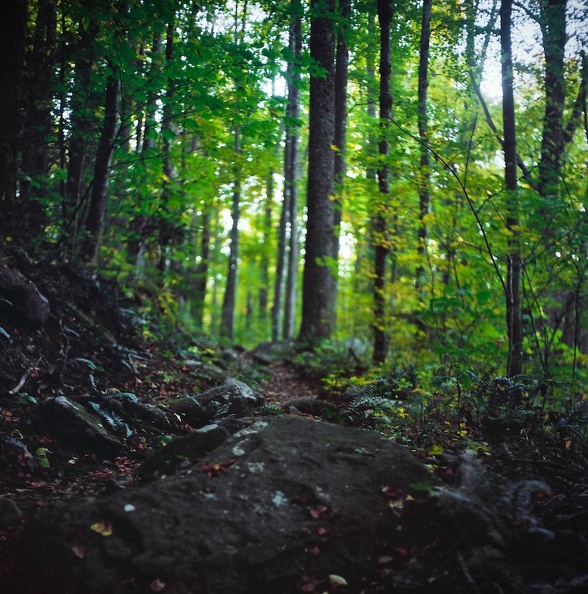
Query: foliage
(191, 75)
(433, 411)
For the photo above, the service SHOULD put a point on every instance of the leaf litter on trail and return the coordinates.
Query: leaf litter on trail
(215, 469)
(104, 528)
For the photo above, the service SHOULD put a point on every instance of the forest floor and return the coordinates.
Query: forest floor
(94, 342)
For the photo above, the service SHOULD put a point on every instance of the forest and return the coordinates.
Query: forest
(405, 177)
(293, 296)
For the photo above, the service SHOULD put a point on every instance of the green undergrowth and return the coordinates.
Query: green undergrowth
(431, 409)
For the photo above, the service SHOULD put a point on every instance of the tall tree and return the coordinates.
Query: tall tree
(170, 172)
(227, 322)
(341, 79)
(424, 173)
(81, 129)
(13, 34)
(101, 179)
(514, 319)
(38, 120)
(380, 231)
(552, 20)
(320, 269)
(293, 173)
(287, 262)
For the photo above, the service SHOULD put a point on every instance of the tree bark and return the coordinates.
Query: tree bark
(227, 324)
(100, 183)
(165, 223)
(13, 34)
(424, 174)
(553, 28)
(81, 130)
(201, 275)
(341, 78)
(380, 230)
(320, 270)
(514, 321)
(293, 174)
(38, 121)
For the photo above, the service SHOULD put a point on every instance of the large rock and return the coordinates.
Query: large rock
(281, 505)
(232, 398)
(19, 294)
(73, 422)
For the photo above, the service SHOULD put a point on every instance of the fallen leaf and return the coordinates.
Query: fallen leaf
(392, 492)
(337, 580)
(79, 551)
(157, 585)
(321, 531)
(314, 551)
(214, 469)
(401, 553)
(104, 528)
(319, 511)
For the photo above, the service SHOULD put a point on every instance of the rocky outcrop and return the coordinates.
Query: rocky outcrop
(283, 503)
(20, 295)
(232, 398)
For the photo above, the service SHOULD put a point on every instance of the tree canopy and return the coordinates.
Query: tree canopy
(190, 151)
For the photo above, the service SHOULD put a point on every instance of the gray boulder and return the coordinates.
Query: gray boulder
(232, 398)
(285, 503)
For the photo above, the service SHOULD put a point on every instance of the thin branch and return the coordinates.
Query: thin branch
(520, 163)
(470, 202)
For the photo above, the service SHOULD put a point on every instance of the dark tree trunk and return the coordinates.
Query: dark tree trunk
(553, 27)
(267, 230)
(13, 34)
(341, 77)
(81, 129)
(424, 174)
(293, 140)
(140, 227)
(99, 196)
(287, 264)
(514, 322)
(201, 276)
(380, 231)
(320, 270)
(38, 100)
(227, 324)
(165, 224)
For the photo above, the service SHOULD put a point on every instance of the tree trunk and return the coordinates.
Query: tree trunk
(553, 27)
(13, 34)
(81, 128)
(201, 275)
(320, 269)
(165, 223)
(294, 140)
(227, 324)
(267, 230)
(341, 77)
(514, 321)
(380, 231)
(287, 264)
(38, 121)
(99, 197)
(423, 179)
